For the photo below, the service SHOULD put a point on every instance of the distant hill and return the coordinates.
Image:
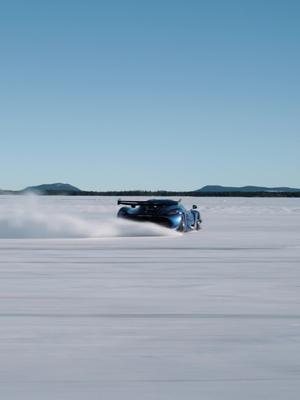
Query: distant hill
(53, 187)
(245, 189)
(65, 189)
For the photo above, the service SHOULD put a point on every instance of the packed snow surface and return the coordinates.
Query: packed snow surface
(97, 308)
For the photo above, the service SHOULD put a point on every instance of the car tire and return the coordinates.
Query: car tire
(122, 213)
(182, 226)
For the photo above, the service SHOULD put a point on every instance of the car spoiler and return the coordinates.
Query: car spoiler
(134, 203)
(131, 203)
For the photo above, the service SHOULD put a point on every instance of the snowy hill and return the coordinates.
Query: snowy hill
(53, 187)
(244, 189)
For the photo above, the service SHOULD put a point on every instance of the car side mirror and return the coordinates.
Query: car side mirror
(194, 206)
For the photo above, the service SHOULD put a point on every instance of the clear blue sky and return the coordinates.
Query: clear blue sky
(160, 94)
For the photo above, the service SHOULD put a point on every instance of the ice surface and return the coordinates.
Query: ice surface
(92, 308)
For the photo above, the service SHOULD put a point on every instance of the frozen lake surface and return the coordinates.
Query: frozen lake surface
(96, 308)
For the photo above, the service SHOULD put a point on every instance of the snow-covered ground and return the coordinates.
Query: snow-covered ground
(96, 308)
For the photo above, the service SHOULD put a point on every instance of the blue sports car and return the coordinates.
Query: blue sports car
(169, 213)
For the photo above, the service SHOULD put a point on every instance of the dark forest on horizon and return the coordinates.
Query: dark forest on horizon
(146, 193)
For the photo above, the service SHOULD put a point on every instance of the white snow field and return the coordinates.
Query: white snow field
(92, 307)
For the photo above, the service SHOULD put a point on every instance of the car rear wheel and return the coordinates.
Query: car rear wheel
(122, 213)
(182, 226)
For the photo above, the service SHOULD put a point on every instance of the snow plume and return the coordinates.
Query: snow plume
(33, 217)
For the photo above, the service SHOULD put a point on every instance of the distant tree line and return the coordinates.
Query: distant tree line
(160, 193)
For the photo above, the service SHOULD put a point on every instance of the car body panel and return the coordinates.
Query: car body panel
(165, 212)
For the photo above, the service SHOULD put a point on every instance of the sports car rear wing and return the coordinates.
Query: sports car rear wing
(132, 203)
